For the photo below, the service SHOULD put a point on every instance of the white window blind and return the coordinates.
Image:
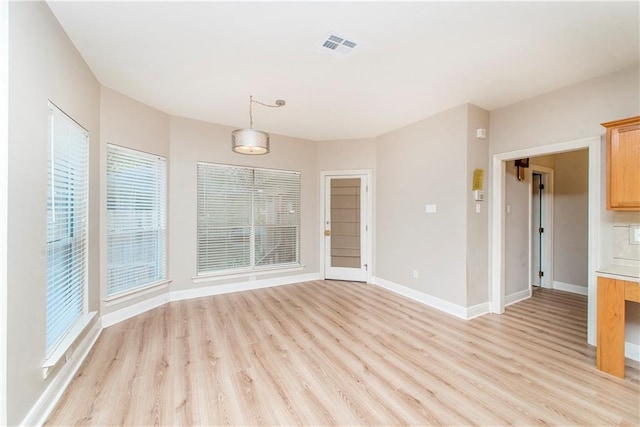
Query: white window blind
(276, 213)
(136, 219)
(247, 218)
(67, 216)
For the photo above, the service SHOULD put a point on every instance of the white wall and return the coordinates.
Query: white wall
(432, 162)
(477, 223)
(546, 161)
(567, 114)
(570, 218)
(424, 163)
(347, 154)
(43, 65)
(516, 231)
(192, 141)
(4, 144)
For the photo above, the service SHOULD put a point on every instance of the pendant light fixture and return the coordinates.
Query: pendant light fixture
(252, 141)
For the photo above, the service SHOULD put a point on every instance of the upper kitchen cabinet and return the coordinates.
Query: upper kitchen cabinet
(623, 164)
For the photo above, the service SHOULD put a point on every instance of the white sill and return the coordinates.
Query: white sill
(135, 293)
(63, 346)
(209, 277)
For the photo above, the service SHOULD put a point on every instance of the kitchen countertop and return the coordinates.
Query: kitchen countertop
(620, 272)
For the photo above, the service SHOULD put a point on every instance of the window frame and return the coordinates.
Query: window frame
(159, 217)
(79, 226)
(252, 269)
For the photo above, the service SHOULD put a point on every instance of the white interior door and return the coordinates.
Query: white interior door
(541, 204)
(345, 227)
(537, 229)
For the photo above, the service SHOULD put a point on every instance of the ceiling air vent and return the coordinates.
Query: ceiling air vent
(336, 46)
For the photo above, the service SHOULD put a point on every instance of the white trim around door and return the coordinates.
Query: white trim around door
(366, 218)
(497, 237)
(4, 202)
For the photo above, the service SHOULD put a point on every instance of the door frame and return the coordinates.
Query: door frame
(497, 233)
(547, 221)
(4, 204)
(366, 211)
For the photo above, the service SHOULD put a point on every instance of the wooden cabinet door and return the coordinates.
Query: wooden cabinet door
(623, 164)
(610, 326)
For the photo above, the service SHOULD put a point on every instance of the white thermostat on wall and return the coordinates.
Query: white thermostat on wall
(478, 195)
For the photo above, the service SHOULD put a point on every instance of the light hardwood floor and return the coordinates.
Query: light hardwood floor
(343, 353)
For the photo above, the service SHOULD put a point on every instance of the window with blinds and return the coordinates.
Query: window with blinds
(136, 219)
(248, 219)
(67, 216)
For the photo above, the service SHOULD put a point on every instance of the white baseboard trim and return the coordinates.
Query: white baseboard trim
(431, 301)
(478, 310)
(125, 313)
(632, 351)
(568, 287)
(517, 297)
(52, 394)
(242, 286)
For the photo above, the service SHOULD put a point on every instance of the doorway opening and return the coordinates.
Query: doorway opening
(497, 284)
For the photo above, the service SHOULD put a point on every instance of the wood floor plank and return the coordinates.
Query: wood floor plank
(447, 354)
(345, 353)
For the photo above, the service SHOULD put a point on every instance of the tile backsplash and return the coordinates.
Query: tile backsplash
(623, 251)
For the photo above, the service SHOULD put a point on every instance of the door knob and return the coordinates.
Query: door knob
(327, 233)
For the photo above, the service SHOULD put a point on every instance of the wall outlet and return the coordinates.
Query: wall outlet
(430, 208)
(634, 234)
(415, 274)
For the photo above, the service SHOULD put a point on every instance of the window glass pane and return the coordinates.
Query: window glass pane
(224, 217)
(136, 219)
(223, 248)
(247, 218)
(67, 196)
(277, 217)
(276, 245)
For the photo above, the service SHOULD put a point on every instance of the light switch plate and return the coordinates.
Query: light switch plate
(634, 234)
(430, 208)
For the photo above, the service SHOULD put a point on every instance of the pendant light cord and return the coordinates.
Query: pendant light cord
(279, 103)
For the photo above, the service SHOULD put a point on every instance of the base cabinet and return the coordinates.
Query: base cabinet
(612, 294)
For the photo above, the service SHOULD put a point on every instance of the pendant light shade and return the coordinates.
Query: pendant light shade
(252, 141)
(249, 141)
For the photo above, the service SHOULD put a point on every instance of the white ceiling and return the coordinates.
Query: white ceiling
(202, 60)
